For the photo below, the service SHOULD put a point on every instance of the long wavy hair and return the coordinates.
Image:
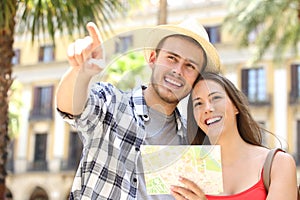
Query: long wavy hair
(249, 130)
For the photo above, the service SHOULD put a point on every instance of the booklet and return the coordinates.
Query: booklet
(163, 164)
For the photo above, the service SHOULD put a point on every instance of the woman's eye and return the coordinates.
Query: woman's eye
(197, 104)
(216, 97)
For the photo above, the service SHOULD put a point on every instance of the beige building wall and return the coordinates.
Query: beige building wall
(279, 117)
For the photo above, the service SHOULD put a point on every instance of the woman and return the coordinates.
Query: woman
(220, 112)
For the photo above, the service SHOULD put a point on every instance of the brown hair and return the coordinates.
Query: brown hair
(249, 130)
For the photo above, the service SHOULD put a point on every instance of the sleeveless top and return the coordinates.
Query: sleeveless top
(257, 192)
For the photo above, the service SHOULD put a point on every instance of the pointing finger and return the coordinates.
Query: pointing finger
(94, 33)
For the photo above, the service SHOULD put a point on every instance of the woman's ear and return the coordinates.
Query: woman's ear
(236, 111)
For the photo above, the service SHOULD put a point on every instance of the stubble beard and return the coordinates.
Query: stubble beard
(168, 98)
(164, 93)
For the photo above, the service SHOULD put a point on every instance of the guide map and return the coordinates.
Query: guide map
(164, 164)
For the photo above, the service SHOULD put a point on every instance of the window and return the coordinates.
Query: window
(214, 34)
(298, 143)
(265, 138)
(16, 58)
(42, 103)
(39, 194)
(254, 85)
(295, 83)
(39, 158)
(123, 44)
(10, 156)
(75, 148)
(46, 53)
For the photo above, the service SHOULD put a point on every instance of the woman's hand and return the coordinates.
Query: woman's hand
(191, 191)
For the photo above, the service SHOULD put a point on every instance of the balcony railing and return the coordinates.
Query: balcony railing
(294, 98)
(70, 164)
(297, 159)
(10, 165)
(41, 114)
(260, 101)
(38, 165)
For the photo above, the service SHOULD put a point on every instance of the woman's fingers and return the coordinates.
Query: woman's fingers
(178, 196)
(191, 191)
(181, 193)
(192, 186)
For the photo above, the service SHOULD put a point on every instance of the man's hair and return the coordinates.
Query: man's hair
(184, 37)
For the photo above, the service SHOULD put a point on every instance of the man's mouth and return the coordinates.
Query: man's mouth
(212, 120)
(173, 82)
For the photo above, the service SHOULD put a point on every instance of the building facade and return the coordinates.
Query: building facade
(45, 153)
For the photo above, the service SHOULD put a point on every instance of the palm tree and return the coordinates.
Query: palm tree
(162, 12)
(276, 24)
(46, 17)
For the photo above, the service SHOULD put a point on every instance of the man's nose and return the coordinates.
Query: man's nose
(178, 68)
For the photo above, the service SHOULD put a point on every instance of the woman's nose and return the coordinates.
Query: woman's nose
(209, 107)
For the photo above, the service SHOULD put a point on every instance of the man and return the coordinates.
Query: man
(113, 124)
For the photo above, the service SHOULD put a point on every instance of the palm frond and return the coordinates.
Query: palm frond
(275, 22)
(59, 16)
(8, 8)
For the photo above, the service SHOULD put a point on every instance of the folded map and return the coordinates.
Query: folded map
(163, 164)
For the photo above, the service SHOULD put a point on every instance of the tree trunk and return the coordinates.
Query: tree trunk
(299, 12)
(6, 54)
(162, 13)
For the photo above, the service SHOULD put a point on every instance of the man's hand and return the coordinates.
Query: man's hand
(86, 54)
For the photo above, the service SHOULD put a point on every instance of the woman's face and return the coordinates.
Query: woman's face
(214, 112)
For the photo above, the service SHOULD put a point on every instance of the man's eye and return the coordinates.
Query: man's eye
(173, 58)
(191, 66)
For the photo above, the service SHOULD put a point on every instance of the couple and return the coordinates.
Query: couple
(113, 124)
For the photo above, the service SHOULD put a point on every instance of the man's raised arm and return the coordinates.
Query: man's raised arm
(84, 56)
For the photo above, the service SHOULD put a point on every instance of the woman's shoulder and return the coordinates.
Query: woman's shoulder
(283, 176)
(283, 160)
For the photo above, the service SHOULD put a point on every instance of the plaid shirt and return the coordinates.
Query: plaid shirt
(112, 130)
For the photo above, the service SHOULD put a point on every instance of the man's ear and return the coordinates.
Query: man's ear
(152, 57)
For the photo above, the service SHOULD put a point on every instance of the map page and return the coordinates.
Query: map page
(199, 163)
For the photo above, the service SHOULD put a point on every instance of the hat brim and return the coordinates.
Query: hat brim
(157, 34)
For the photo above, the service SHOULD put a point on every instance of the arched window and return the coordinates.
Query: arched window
(39, 194)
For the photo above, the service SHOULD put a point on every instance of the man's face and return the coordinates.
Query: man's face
(175, 68)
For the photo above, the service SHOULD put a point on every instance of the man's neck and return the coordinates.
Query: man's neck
(155, 102)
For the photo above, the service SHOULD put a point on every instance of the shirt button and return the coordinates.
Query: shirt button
(134, 180)
(137, 149)
(146, 117)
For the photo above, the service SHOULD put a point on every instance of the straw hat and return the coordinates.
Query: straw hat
(191, 28)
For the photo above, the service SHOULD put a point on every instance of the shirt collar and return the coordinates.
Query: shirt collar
(141, 109)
